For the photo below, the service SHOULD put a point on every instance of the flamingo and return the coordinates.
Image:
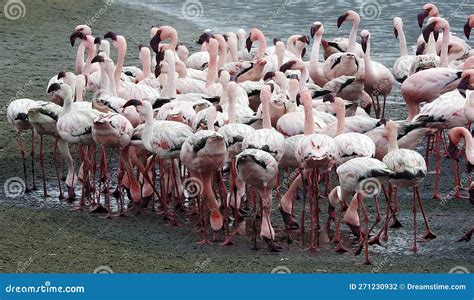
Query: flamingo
(17, 116)
(378, 79)
(409, 170)
(204, 154)
(315, 71)
(401, 67)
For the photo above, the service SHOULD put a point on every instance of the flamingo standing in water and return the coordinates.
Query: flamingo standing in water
(17, 116)
(427, 85)
(409, 169)
(204, 153)
(378, 78)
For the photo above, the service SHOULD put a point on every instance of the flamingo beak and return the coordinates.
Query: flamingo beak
(76, 34)
(268, 76)
(157, 70)
(420, 49)
(298, 99)
(463, 85)
(314, 29)
(248, 43)
(97, 40)
(453, 151)
(98, 58)
(132, 102)
(422, 16)
(54, 87)
(328, 98)
(286, 66)
(111, 35)
(61, 74)
(467, 30)
(428, 30)
(363, 42)
(395, 32)
(140, 46)
(341, 19)
(155, 42)
(276, 40)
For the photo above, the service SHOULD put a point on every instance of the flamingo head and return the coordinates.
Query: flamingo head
(468, 26)
(435, 24)
(467, 78)
(77, 34)
(59, 90)
(316, 28)
(84, 28)
(292, 64)
(429, 10)
(365, 39)
(350, 16)
(397, 25)
(268, 76)
(144, 108)
(254, 35)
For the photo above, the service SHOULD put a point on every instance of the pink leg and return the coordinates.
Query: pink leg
(33, 159)
(41, 159)
(414, 248)
(436, 194)
(429, 235)
(55, 163)
(22, 153)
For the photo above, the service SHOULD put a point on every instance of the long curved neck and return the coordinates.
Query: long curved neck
(121, 52)
(444, 47)
(80, 58)
(351, 47)
(181, 69)
(431, 45)
(402, 41)
(104, 81)
(171, 79)
(304, 78)
(392, 139)
(315, 50)
(231, 110)
(266, 122)
(468, 141)
(146, 65)
(341, 119)
(262, 47)
(90, 56)
(212, 70)
(233, 55)
(222, 55)
(67, 102)
(308, 118)
(369, 71)
(113, 89)
(79, 90)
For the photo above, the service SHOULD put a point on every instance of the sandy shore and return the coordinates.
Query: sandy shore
(41, 235)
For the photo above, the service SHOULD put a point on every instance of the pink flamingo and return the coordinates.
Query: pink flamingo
(401, 67)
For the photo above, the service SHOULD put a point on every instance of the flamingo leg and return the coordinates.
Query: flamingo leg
(337, 237)
(366, 237)
(22, 153)
(303, 209)
(32, 154)
(414, 248)
(436, 194)
(395, 223)
(428, 235)
(378, 218)
(254, 219)
(312, 181)
(41, 159)
(427, 150)
(55, 165)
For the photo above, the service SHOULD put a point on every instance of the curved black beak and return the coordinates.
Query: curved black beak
(140, 46)
(341, 19)
(155, 42)
(110, 35)
(98, 58)
(422, 16)
(328, 98)
(463, 85)
(298, 99)
(268, 76)
(314, 29)
(97, 40)
(22, 117)
(132, 102)
(76, 34)
(467, 30)
(276, 40)
(248, 43)
(204, 38)
(157, 70)
(363, 43)
(61, 74)
(453, 151)
(54, 87)
(395, 32)
(427, 31)
(286, 66)
(383, 121)
(421, 49)
(304, 39)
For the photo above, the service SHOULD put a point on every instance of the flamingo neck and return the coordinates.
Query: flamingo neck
(392, 139)
(231, 110)
(402, 41)
(181, 69)
(90, 56)
(351, 47)
(314, 59)
(266, 114)
(79, 92)
(233, 56)
(146, 65)
(461, 133)
(171, 87)
(112, 87)
(222, 55)
(80, 58)
(444, 47)
(431, 45)
(67, 102)
(308, 118)
(341, 119)
(212, 69)
(369, 71)
(121, 52)
(262, 47)
(304, 78)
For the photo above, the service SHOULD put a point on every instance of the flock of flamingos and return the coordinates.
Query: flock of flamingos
(195, 131)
